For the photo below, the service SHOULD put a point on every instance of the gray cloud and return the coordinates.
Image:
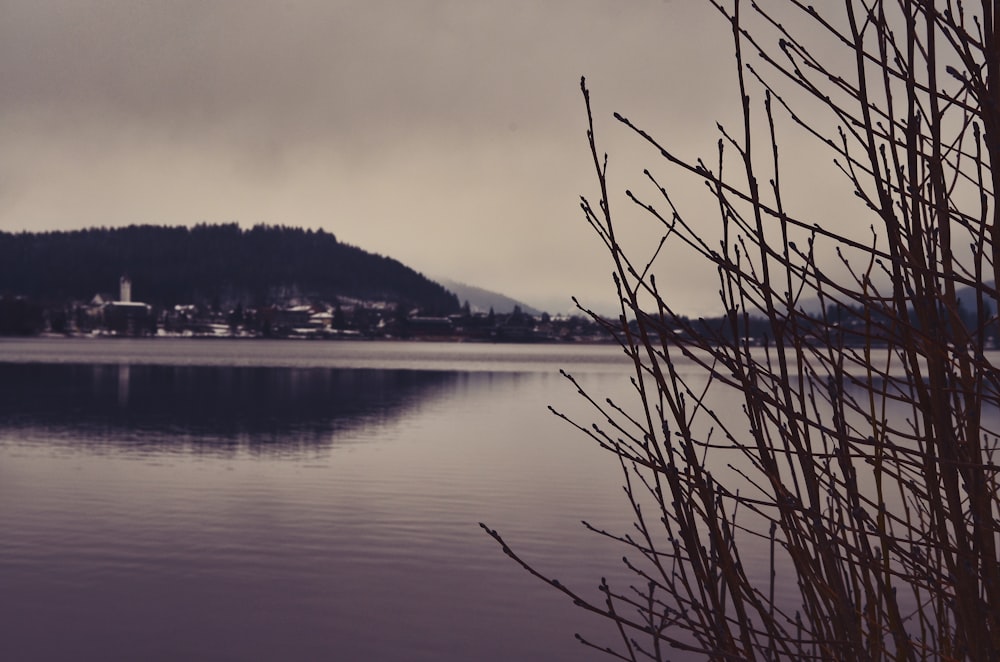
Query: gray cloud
(448, 134)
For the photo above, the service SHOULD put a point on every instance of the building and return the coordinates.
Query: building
(126, 317)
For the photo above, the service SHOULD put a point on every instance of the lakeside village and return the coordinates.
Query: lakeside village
(345, 319)
(348, 319)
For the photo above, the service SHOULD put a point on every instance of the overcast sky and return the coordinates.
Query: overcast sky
(447, 134)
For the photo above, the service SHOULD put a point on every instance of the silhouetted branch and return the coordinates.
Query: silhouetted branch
(861, 468)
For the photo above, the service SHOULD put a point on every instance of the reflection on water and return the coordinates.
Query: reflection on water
(183, 500)
(212, 408)
(164, 509)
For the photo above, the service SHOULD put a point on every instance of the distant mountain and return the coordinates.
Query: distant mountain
(481, 300)
(208, 264)
(966, 297)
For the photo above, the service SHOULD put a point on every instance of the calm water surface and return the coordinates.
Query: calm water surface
(267, 500)
(253, 500)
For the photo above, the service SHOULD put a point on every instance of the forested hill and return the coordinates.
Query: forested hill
(207, 264)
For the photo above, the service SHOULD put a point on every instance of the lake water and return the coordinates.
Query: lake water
(171, 499)
(174, 499)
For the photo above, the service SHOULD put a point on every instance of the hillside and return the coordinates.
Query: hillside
(481, 300)
(220, 264)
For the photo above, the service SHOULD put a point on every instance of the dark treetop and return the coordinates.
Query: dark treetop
(175, 265)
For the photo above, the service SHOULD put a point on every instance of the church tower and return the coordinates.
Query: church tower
(125, 289)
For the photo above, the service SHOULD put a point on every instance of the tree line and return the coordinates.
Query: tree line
(219, 265)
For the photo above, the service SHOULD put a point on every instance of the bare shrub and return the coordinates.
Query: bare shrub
(863, 464)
